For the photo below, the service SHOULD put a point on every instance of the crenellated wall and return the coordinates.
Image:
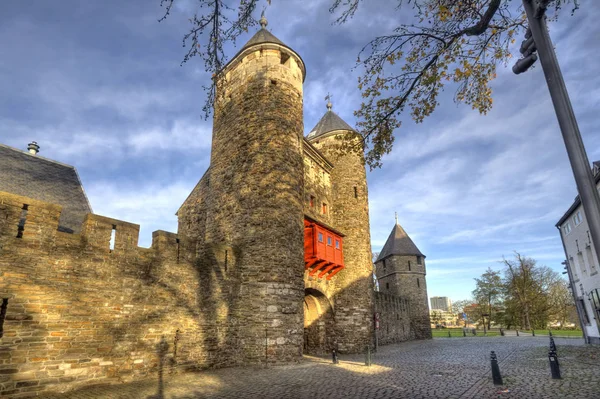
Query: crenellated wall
(79, 312)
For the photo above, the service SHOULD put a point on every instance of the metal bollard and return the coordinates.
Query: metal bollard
(554, 366)
(552, 344)
(464, 332)
(533, 333)
(517, 333)
(334, 356)
(495, 369)
(368, 356)
(449, 336)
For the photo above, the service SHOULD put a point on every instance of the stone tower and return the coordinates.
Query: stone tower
(400, 271)
(251, 258)
(342, 145)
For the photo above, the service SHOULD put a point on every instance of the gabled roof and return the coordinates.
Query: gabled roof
(398, 243)
(328, 123)
(36, 177)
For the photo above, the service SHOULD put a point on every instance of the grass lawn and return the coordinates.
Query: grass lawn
(458, 332)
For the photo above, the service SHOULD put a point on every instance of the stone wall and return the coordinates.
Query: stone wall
(252, 258)
(79, 312)
(353, 299)
(317, 185)
(404, 276)
(394, 319)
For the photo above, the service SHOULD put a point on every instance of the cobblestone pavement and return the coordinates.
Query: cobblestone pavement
(441, 368)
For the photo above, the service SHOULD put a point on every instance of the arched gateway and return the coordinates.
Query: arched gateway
(318, 322)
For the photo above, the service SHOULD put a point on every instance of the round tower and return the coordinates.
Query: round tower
(251, 263)
(400, 271)
(353, 298)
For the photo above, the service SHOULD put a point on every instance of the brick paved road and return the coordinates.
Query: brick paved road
(441, 368)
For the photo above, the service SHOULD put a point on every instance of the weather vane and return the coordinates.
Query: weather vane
(328, 98)
(396, 214)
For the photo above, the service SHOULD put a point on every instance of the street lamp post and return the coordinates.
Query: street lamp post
(540, 42)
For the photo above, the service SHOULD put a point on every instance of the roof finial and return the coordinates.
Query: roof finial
(396, 213)
(263, 20)
(328, 98)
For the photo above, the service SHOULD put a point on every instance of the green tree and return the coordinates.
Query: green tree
(447, 42)
(528, 292)
(487, 292)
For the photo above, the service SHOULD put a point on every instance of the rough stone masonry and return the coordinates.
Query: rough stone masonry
(232, 286)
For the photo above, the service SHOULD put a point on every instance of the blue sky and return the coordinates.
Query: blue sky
(98, 85)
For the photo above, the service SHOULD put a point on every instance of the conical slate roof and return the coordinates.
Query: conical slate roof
(398, 243)
(262, 36)
(328, 123)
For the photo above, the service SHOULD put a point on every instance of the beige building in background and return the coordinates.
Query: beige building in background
(441, 303)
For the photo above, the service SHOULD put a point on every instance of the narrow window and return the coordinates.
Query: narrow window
(419, 260)
(177, 241)
(226, 256)
(384, 265)
(588, 252)
(355, 192)
(329, 241)
(409, 266)
(586, 317)
(387, 286)
(320, 237)
(418, 283)
(3, 315)
(312, 201)
(337, 244)
(324, 208)
(284, 58)
(22, 221)
(113, 233)
(581, 262)
(273, 82)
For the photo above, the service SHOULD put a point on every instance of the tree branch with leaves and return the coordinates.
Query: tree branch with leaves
(458, 42)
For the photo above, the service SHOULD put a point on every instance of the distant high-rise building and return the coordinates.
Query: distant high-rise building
(441, 303)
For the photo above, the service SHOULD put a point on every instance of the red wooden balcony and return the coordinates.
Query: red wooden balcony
(323, 250)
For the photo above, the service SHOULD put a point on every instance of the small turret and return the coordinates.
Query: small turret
(400, 271)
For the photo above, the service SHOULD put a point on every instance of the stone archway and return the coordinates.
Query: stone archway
(318, 322)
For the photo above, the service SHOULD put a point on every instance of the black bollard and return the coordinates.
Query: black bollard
(517, 333)
(502, 332)
(495, 369)
(449, 334)
(334, 356)
(554, 366)
(533, 333)
(552, 344)
(368, 356)
(464, 332)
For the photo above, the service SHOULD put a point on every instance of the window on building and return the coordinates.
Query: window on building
(384, 265)
(419, 260)
(573, 269)
(337, 244)
(566, 228)
(311, 202)
(329, 241)
(355, 192)
(320, 237)
(590, 258)
(387, 286)
(324, 208)
(22, 221)
(577, 218)
(584, 312)
(418, 283)
(409, 266)
(581, 262)
(113, 234)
